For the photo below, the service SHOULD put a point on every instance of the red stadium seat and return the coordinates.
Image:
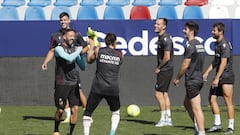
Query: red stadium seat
(196, 2)
(140, 13)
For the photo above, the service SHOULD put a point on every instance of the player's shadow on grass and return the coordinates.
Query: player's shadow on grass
(38, 117)
(139, 121)
(185, 127)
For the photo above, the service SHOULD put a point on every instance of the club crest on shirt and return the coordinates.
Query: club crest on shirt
(224, 45)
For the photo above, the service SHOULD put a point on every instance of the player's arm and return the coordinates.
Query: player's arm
(182, 70)
(209, 69)
(81, 62)
(164, 61)
(59, 52)
(219, 72)
(48, 58)
(93, 51)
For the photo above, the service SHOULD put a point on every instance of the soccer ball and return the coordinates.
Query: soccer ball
(133, 110)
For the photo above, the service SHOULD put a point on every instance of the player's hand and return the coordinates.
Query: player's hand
(205, 76)
(176, 82)
(44, 66)
(157, 70)
(215, 83)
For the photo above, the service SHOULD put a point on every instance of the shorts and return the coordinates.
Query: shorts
(163, 80)
(64, 92)
(193, 90)
(94, 99)
(218, 91)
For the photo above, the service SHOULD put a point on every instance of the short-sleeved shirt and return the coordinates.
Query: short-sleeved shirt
(194, 50)
(106, 77)
(223, 49)
(66, 72)
(165, 43)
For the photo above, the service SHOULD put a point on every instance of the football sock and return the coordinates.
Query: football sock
(68, 112)
(71, 128)
(201, 133)
(56, 126)
(115, 120)
(217, 119)
(231, 123)
(163, 115)
(86, 125)
(168, 114)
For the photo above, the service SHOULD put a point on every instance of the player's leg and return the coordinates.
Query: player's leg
(227, 94)
(114, 104)
(92, 103)
(83, 98)
(168, 110)
(161, 102)
(67, 110)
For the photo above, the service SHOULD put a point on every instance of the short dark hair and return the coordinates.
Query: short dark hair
(192, 26)
(110, 39)
(68, 30)
(220, 26)
(165, 20)
(63, 14)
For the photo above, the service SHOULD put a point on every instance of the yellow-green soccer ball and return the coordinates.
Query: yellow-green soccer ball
(133, 110)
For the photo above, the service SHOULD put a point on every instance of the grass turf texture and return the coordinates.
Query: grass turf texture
(38, 120)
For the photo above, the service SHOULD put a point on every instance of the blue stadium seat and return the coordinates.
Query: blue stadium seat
(170, 2)
(118, 2)
(15, 3)
(58, 10)
(87, 13)
(91, 2)
(192, 12)
(68, 3)
(9, 13)
(41, 3)
(113, 13)
(144, 2)
(34, 13)
(168, 12)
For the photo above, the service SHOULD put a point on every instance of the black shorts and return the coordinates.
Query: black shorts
(163, 80)
(94, 99)
(64, 92)
(218, 91)
(193, 90)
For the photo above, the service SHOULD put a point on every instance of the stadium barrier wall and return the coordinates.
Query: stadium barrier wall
(24, 45)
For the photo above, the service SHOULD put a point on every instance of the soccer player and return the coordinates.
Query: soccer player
(105, 82)
(222, 84)
(164, 71)
(192, 67)
(66, 79)
(56, 39)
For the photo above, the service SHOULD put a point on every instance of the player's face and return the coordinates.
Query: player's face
(159, 25)
(64, 21)
(70, 37)
(215, 33)
(186, 32)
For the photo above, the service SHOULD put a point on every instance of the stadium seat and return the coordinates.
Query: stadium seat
(170, 2)
(223, 2)
(91, 2)
(238, 2)
(34, 13)
(196, 2)
(140, 13)
(58, 10)
(15, 3)
(41, 3)
(118, 2)
(87, 13)
(68, 3)
(192, 12)
(218, 12)
(144, 2)
(113, 13)
(237, 13)
(9, 13)
(168, 12)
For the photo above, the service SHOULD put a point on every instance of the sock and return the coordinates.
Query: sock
(168, 114)
(68, 112)
(231, 123)
(163, 115)
(201, 133)
(196, 126)
(86, 125)
(56, 126)
(70, 128)
(115, 120)
(217, 119)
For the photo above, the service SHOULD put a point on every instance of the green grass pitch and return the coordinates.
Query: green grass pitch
(38, 120)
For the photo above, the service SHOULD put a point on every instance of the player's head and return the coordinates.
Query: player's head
(111, 40)
(218, 30)
(64, 20)
(190, 29)
(160, 25)
(69, 36)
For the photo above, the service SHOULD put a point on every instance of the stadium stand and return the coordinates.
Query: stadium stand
(144, 2)
(139, 13)
(237, 13)
(87, 13)
(113, 13)
(192, 12)
(91, 2)
(15, 3)
(196, 2)
(57, 10)
(68, 3)
(41, 3)
(218, 12)
(34, 13)
(168, 12)
(118, 2)
(169, 2)
(9, 14)
(223, 2)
